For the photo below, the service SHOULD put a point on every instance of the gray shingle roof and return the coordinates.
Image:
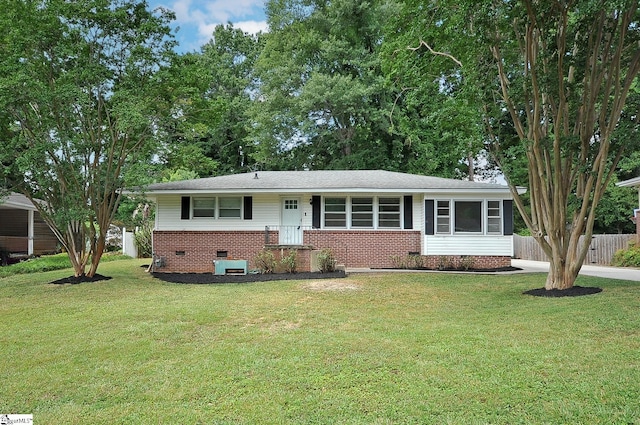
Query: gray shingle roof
(16, 200)
(321, 181)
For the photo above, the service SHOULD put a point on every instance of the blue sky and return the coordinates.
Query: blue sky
(196, 19)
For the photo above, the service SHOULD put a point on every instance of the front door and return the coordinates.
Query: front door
(291, 226)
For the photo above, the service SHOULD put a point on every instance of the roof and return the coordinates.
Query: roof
(322, 181)
(18, 201)
(630, 182)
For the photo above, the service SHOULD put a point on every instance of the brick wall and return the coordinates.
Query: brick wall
(466, 262)
(364, 248)
(195, 251)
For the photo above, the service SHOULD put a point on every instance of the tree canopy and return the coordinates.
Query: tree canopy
(78, 87)
(556, 86)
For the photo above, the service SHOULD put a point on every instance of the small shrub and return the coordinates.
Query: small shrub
(290, 262)
(415, 261)
(627, 257)
(467, 262)
(142, 240)
(398, 262)
(265, 261)
(326, 261)
(444, 263)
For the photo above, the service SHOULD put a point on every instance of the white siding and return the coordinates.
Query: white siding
(266, 212)
(468, 245)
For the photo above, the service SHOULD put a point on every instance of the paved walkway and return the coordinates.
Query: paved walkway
(528, 266)
(623, 273)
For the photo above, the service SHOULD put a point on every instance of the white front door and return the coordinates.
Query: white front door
(291, 225)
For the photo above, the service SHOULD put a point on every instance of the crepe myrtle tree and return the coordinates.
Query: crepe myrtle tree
(79, 90)
(556, 84)
(567, 74)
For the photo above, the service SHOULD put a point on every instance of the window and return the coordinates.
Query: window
(335, 212)
(230, 208)
(494, 219)
(204, 207)
(290, 204)
(362, 212)
(468, 216)
(389, 212)
(443, 217)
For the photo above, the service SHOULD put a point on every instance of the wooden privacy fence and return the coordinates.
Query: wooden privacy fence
(601, 249)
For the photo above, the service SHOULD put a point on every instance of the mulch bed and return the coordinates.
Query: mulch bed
(201, 278)
(73, 280)
(575, 291)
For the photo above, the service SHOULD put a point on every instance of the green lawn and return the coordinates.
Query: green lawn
(369, 349)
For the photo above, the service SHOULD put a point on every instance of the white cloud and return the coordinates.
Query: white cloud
(197, 19)
(252, 27)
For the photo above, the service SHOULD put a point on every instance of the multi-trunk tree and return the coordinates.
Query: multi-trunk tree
(557, 85)
(78, 87)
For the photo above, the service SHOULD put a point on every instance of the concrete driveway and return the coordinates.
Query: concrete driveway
(622, 273)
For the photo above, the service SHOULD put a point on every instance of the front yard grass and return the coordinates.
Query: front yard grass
(392, 348)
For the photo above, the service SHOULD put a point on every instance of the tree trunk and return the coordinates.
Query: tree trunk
(562, 275)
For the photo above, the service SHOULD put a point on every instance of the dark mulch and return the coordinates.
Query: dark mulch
(73, 280)
(248, 278)
(575, 291)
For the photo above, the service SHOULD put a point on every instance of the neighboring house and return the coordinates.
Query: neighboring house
(366, 217)
(22, 230)
(635, 182)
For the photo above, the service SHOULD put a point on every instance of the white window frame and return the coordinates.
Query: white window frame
(497, 219)
(394, 213)
(196, 199)
(217, 208)
(443, 217)
(485, 220)
(347, 202)
(362, 214)
(481, 219)
(375, 213)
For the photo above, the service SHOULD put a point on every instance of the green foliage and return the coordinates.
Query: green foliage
(289, 262)
(143, 240)
(629, 257)
(327, 260)
(324, 100)
(210, 93)
(265, 261)
(48, 263)
(80, 92)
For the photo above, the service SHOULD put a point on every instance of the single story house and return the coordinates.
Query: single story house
(22, 230)
(366, 217)
(635, 182)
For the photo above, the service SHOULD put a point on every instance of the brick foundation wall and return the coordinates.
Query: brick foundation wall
(364, 248)
(195, 251)
(200, 248)
(466, 262)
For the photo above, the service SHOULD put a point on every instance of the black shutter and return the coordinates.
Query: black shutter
(429, 217)
(408, 212)
(315, 213)
(507, 210)
(186, 208)
(248, 207)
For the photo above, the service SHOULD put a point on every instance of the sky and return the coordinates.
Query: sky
(196, 19)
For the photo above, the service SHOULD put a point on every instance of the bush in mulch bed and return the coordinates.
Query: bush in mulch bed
(74, 280)
(575, 291)
(215, 278)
